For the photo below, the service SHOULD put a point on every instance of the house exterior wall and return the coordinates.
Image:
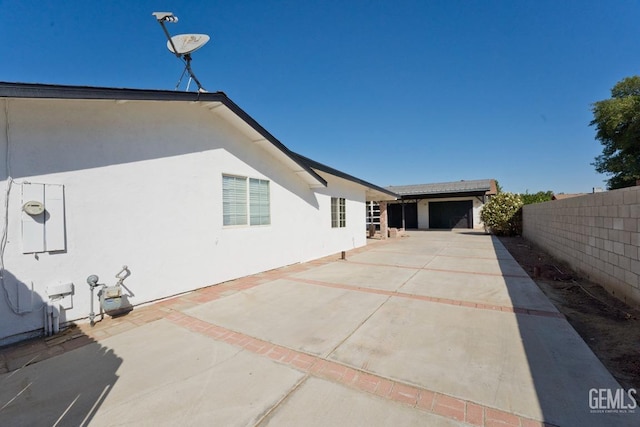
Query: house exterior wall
(143, 188)
(423, 210)
(596, 234)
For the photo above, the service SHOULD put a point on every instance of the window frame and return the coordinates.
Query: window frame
(338, 212)
(246, 204)
(264, 216)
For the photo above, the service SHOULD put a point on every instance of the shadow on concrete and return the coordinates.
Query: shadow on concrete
(66, 390)
(563, 369)
(60, 379)
(473, 233)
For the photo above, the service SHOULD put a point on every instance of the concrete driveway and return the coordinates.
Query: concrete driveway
(433, 329)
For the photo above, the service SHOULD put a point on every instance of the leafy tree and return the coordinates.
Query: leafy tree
(617, 122)
(539, 197)
(502, 215)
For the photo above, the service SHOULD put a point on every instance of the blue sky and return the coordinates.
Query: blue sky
(394, 92)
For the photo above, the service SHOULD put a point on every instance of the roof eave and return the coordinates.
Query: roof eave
(373, 192)
(442, 195)
(48, 91)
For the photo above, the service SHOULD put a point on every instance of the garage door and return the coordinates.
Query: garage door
(451, 214)
(394, 215)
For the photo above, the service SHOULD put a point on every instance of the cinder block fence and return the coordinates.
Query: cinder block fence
(596, 234)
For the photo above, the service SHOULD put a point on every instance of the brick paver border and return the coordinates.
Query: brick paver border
(17, 356)
(416, 397)
(475, 273)
(451, 255)
(462, 303)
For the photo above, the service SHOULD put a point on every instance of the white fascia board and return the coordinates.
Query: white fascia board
(378, 196)
(371, 194)
(256, 137)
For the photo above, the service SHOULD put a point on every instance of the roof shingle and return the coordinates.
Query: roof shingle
(479, 185)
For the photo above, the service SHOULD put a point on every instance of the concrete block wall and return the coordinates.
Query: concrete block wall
(596, 234)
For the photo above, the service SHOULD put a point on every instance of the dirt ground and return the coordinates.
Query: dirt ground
(607, 325)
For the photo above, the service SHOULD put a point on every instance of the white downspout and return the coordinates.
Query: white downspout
(49, 310)
(56, 319)
(45, 315)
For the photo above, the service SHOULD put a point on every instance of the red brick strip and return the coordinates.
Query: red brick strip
(471, 304)
(478, 257)
(475, 273)
(445, 255)
(479, 273)
(415, 397)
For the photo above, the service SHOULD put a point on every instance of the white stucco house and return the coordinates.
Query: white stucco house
(444, 205)
(184, 188)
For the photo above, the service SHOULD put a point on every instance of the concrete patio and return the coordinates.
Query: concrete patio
(435, 329)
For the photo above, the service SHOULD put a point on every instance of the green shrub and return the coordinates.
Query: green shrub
(503, 214)
(539, 197)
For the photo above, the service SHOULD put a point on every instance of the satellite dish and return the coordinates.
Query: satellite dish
(182, 46)
(187, 43)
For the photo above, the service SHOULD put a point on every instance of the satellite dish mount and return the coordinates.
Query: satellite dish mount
(182, 46)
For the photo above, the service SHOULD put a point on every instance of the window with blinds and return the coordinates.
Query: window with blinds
(234, 200)
(338, 212)
(259, 202)
(245, 205)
